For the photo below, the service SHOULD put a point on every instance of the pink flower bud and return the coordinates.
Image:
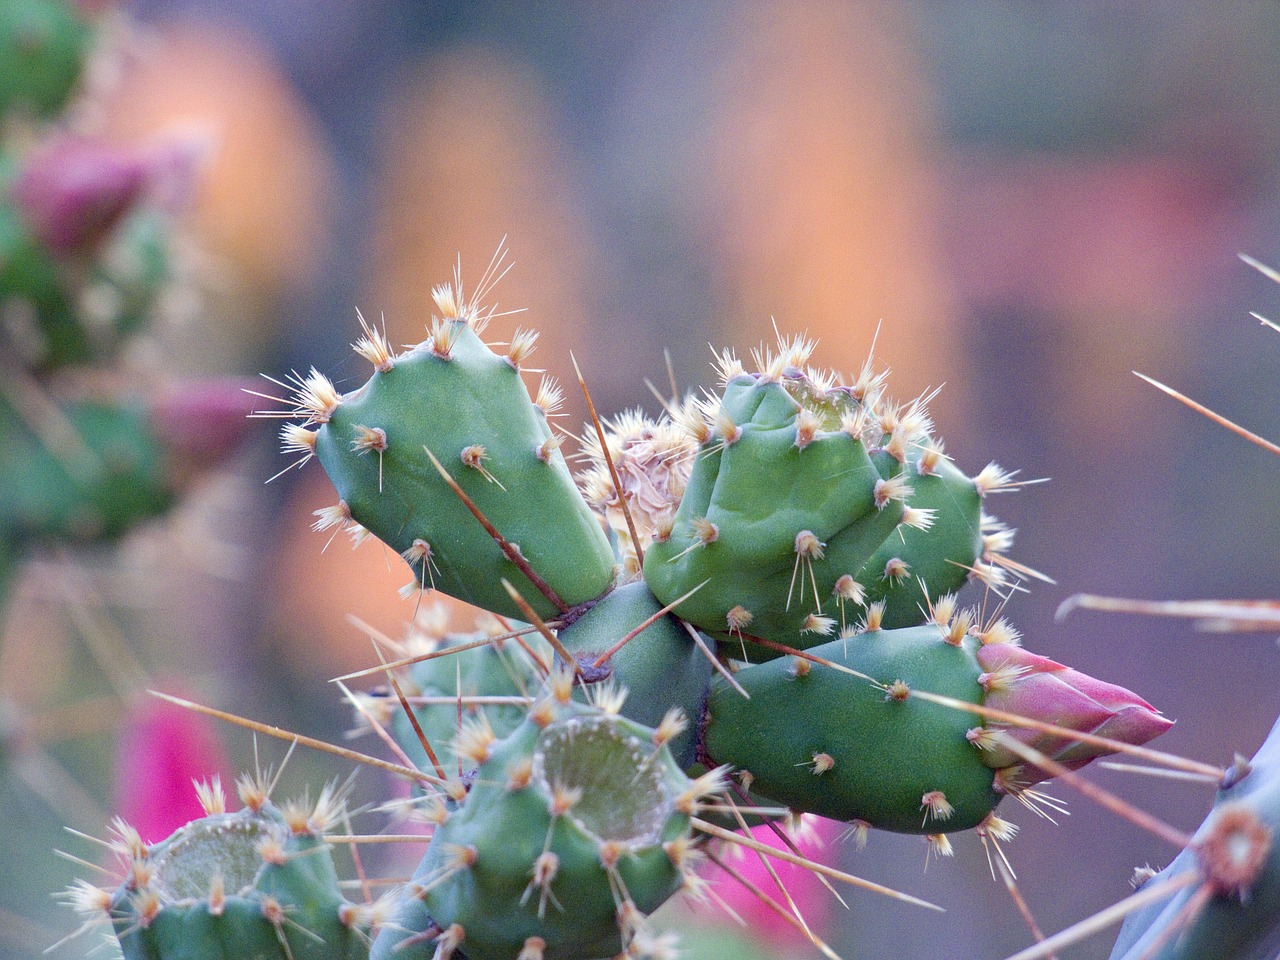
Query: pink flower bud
(200, 422)
(1042, 689)
(74, 191)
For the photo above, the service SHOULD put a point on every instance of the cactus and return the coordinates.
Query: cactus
(451, 406)
(43, 48)
(684, 610)
(575, 827)
(258, 882)
(784, 500)
(850, 742)
(496, 669)
(1224, 888)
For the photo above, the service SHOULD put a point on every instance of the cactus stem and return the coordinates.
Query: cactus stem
(298, 738)
(510, 549)
(601, 660)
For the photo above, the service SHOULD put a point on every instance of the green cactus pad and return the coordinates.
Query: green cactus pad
(77, 309)
(111, 477)
(660, 667)
(475, 401)
(769, 521)
(43, 47)
(237, 885)
(480, 883)
(885, 755)
(940, 556)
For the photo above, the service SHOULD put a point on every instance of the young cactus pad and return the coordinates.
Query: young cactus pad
(858, 746)
(454, 399)
(660, 667)
(783, 501)
(257, 883)
(574, 828)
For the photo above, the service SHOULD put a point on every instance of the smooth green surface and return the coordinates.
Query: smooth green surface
(887, 753)
(474, 398)
(760, 492)
(113, 477)
(660, 667)
(43, 47)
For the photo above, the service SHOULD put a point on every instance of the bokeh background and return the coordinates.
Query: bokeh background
(1029, 201)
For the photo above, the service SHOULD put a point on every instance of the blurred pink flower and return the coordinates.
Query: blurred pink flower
(813, 840)
(160, 750)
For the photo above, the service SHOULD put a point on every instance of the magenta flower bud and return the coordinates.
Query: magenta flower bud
(200, 422)
(1038, 688)
(71, 193)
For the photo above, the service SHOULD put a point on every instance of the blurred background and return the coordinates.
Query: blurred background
(1029, 201)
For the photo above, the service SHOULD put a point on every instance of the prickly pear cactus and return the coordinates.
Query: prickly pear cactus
(575, 827)
(453, 399)
(846, 739)
(1224, 889)
(258, 882)
(661, 667)
(452, 684)
(784, 500)
(752, 596)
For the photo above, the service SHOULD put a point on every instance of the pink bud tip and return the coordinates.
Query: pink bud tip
(1047, 691)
